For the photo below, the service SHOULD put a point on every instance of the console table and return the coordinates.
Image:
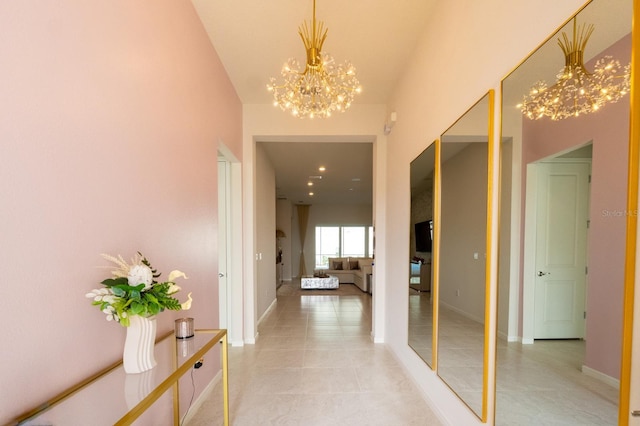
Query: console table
(112, 397)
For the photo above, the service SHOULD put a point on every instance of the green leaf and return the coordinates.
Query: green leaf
(136, 308)
(118, 291)
(109, 282)
(153, 308)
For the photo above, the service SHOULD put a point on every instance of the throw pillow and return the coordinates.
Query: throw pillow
(337, 266)
(353, 264)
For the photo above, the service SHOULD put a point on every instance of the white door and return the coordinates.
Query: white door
(561, 248)
(223, 206)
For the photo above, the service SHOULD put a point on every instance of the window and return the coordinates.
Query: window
(342, 241)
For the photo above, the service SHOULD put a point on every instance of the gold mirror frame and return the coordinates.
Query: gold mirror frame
(421, 294)
(630, 242)
(482, 410)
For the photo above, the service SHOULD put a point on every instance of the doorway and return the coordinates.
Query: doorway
(230, 272)
(555, 252)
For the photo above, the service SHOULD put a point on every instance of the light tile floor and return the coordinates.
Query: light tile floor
(314, 363)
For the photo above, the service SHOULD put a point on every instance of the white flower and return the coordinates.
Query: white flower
(140, 274)
(111, 313)
(187, 305)
(173, 288)
(101, 294)
(176, 274)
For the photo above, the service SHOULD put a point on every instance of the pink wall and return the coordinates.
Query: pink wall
(109, 117)
(609, 130)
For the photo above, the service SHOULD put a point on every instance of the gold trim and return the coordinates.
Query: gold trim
(435, 254)
(170, 382)
(225, 378)
(490, 95)
(175, 387)
(488, 314)
(632, 225)
(72, 390)
(145, 403)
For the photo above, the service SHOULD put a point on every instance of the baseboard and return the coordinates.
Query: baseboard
(376, 339)
(201, 398)
(269, 309)
(461, 312)
(511, 339)
(611, 381)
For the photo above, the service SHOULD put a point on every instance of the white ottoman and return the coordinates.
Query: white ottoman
(319, 283)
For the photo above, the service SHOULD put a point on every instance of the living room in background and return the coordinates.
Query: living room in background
(342, 241)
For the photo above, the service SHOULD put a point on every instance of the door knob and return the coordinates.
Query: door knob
(220, 274)
(540, 273)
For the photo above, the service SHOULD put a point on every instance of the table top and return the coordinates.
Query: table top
(112, 395)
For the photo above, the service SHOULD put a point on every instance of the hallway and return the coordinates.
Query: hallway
(314, 363)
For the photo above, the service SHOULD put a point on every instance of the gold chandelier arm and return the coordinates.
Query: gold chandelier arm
(322, 86)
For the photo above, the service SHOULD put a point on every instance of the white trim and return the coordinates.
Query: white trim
(445, 404)
(528, 279)
(465, 314)
(515, 241)
(509, 338)
(269, 309)
(604, 378)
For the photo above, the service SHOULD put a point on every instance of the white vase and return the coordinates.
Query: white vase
(139, 345)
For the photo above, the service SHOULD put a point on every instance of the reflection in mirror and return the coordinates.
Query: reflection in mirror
(421, 249)
(562, 241)
(462, 254)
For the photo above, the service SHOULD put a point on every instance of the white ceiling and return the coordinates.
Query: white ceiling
(255, 37)
(347, 179)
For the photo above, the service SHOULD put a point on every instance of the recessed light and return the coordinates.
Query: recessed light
(311, 194)
(322, 168)
(309, 183)
(355, 180)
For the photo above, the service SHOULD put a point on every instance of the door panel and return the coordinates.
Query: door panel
(562, 206)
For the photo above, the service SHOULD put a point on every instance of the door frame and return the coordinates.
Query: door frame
(529, 253)
(234, 272)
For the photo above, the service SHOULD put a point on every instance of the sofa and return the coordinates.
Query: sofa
(351, 270)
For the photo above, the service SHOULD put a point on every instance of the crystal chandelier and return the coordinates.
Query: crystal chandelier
(323, 86)
(577, 91)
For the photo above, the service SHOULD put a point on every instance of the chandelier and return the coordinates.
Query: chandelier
(323, 86)
(577, 91)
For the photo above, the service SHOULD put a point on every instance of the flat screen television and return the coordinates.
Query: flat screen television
(424, 236)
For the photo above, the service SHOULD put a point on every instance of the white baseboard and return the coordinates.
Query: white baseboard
(511, 339)
(237, 343)
(611, 381)
(201, 398)
(527, 341)
(461, 312)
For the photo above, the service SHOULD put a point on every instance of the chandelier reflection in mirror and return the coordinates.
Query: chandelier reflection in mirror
(323, 86)
(577, 91)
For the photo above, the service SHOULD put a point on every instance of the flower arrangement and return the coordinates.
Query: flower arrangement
(133, 290)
